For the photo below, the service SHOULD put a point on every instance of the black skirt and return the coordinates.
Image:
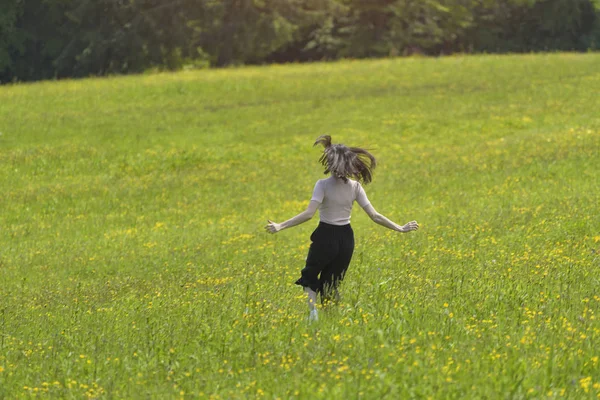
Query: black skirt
(328, 258)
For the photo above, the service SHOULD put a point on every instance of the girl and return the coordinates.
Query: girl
(333, 241)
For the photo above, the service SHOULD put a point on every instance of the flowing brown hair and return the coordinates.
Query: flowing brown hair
(346, 162)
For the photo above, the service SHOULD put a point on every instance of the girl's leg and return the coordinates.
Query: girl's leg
(312, 304)
(320, 255)
(334, 273)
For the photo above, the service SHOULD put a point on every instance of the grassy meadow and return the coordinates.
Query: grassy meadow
(133, 261)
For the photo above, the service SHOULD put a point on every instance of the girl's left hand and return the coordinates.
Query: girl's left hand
(272, 227)
(411, 226)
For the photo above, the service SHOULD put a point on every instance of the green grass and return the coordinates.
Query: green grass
(133, 263)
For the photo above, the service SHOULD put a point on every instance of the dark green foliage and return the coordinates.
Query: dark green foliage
(591, 40)
(523, 26)
(241, 31)
(68, 38)
(406, 26)
(38, 36)
(10, 40)
(41, 39)
(122, 36)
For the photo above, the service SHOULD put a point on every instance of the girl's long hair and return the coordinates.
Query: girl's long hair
(346, 162)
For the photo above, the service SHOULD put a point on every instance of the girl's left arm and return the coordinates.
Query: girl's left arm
(273, 227)
(384, 221)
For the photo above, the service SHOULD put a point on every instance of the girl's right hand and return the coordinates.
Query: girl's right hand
(272, 227)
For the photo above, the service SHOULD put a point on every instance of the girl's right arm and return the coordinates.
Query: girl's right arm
(383, 221)
(274, 227)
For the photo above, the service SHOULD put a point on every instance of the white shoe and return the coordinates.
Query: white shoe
(313, 316)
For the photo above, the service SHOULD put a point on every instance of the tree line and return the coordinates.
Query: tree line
(47, 39)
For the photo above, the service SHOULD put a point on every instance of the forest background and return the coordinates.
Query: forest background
(49, 39)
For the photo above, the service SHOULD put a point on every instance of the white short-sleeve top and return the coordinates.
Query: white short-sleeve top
(336, 198)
